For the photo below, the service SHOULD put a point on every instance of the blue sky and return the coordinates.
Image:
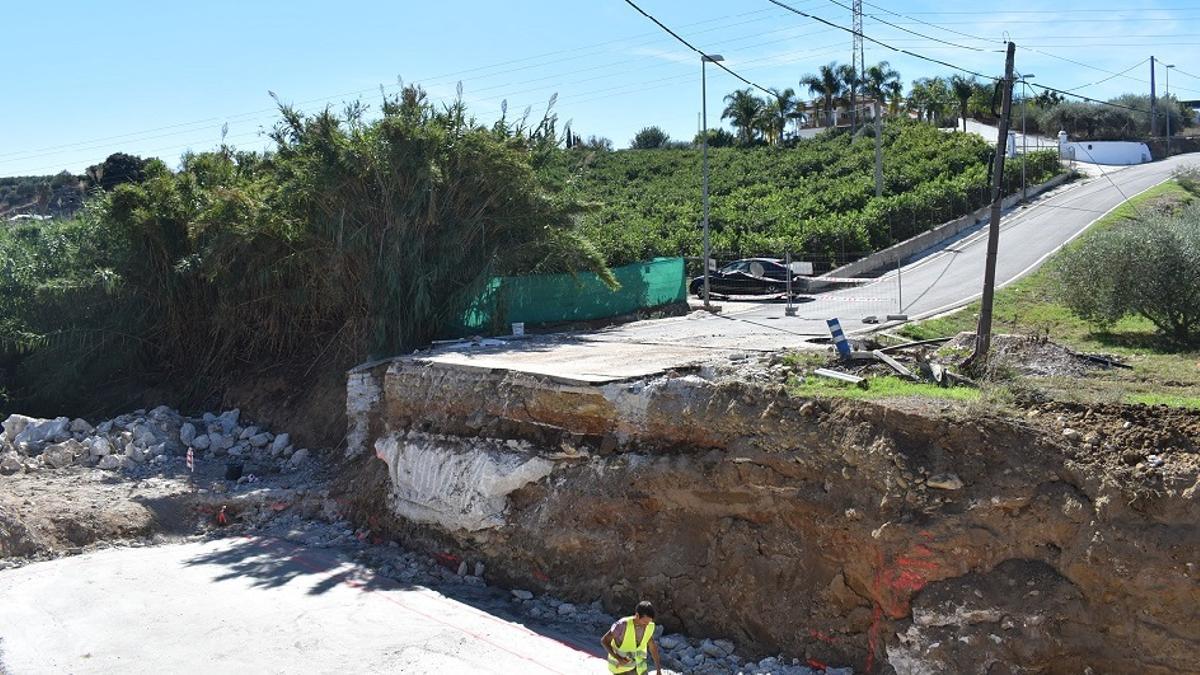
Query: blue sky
(156, 78)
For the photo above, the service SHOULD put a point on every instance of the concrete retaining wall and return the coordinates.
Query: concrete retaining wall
(910, 247)
(1118, 153)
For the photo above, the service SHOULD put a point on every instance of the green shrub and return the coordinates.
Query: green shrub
(1148, 267)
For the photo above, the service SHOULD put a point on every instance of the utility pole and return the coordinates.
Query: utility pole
(1153, 102)
(704, 59)
(983, 334)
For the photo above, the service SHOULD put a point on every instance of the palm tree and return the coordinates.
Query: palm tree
(878, 81)
(895, 94)
(963, 88)
(743, 110)
(851, 83)
(930, 97)
(775, 115)
(827, 85)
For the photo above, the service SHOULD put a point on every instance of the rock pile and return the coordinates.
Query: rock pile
(142, 440)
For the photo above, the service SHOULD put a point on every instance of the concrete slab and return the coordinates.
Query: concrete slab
(254, 605)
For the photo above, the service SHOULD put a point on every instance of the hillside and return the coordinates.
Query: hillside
(816, 198)
(58, 195)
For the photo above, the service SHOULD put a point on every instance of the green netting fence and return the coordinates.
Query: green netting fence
(553, 298)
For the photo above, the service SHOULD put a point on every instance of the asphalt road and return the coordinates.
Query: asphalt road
(943, 279)
(940, 280)
(257, 606)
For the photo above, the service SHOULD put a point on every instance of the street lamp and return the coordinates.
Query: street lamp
(1169, 67)
(1024, 135)
(705, 59)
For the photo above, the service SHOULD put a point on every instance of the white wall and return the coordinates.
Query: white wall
(1105, 152)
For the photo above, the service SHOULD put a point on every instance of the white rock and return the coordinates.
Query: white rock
(299, 457)
(14, 425)
(725, 646)
(479, 569)
(281, 441)
(111, 462)
(63, 454)
(260, 440)
(98, 446)
(156, 450)
(1071, 434)
(710, 648)
(668, 642)
(10, 464)
(566, 608)
(462, 568)
(105, 427)
(187, 433)
(135, 454)
(161, 412)
(247, 432)
(202, 442)
(38, 432)
(945, 481)
(228, 420)
(81, 426)
(522, 595)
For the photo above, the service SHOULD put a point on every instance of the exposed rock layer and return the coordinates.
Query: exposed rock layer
(910, 537)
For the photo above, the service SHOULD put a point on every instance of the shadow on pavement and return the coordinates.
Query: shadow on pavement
(272, 563)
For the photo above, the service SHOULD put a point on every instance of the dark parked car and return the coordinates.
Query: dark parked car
(749, 276)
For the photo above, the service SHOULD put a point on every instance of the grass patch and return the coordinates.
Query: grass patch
(1030, 307)
(1192, 402)
(888, 386)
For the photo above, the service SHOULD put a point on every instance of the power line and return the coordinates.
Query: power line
(1055, 11)
(885, 45)
(210, 120)
(186, 129)
(703, 55)
(1139, 64)
(911, 32)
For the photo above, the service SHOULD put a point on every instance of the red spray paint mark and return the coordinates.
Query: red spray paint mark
(894, 585)
(817, 665)
(447, 560)
(222, 519)
(539, 575)
(279, 506)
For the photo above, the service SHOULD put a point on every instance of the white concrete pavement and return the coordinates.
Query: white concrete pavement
(246, 605)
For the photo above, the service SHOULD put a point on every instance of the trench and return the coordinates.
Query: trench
(894, 536)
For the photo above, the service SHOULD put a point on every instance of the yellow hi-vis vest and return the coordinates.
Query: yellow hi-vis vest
(630, 648)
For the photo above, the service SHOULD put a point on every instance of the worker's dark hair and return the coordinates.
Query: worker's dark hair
(644, 608)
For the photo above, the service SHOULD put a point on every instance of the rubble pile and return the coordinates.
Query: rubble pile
(139, 442)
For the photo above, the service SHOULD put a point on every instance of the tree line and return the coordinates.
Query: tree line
(941, 101)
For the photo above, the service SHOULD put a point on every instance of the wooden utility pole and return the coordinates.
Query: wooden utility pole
(983, 335)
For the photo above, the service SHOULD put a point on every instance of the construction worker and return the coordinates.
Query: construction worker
(628, 641)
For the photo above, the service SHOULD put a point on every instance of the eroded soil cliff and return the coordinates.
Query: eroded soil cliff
(907, 536)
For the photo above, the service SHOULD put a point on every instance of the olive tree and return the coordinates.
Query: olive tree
(1148, 267)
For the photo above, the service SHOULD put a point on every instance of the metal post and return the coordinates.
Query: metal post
(899, 287)
(1024, 140)
(1168, 97)
(983, 334)
(1024, 134)
(1153, 102)
(787, 257)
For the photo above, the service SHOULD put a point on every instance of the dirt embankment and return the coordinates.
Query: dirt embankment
(913, 537)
